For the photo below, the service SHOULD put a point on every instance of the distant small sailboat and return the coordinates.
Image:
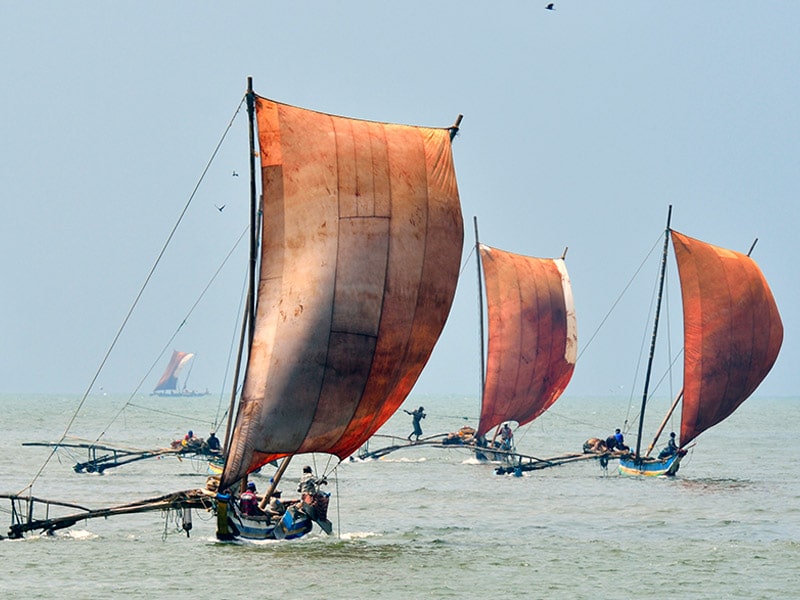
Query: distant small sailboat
(732, 336)
(168, 384)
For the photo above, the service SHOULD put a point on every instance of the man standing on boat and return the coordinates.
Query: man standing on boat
(416, 416)
(506, 438)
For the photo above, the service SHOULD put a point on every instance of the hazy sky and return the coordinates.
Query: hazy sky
(581, 125)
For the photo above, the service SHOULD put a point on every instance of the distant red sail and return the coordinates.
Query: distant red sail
(732, 331)
(361, 246)
(533, 339)
(169, 380)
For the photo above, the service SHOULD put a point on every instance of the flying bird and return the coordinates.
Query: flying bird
(219, 208)
(550, 6)
(234, 174)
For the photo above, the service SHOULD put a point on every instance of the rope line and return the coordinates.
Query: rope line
(136, 300)
(175, 333)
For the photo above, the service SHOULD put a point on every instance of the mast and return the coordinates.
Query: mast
(251, 111)
(480, 307)
(248, 321)
(655, 334)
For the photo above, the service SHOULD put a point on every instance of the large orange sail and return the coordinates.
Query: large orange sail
(732, 331)
(532, 336)
(361, 245)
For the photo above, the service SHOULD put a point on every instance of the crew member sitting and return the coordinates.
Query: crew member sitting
(616, 442)
(248, 501)
(275, 508)
(671, 449)
(214, 446)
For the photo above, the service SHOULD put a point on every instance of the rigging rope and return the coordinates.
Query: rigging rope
(234, 339)
(622, 293)
(137, 299)
(175, 334)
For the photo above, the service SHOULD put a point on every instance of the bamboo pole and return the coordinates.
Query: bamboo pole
(664, 423)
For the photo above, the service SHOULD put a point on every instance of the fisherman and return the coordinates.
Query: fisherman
(308, 484)
(248, 501)
(275, 508)
(619, 441)
(214, 446)
(190, 442)
(671, 449)
(416, 417)
(616, 442)
(506, 437)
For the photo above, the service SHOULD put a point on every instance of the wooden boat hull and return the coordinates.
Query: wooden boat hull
(650, 467)
(295, 523)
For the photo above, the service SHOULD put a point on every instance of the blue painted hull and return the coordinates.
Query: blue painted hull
(650, 467)
(292, 525)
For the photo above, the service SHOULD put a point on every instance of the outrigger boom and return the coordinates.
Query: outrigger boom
(101, 458)
(23, 511)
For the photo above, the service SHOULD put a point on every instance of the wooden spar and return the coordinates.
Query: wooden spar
(556, 461)
(273, 484)
(664, 423)
(455, 126)
(248, 322)
(116, 457)
(480, 308)
(655, 333)
(185, 499)
(251, 111)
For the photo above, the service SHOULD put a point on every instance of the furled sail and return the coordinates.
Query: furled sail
(732, 331)
(361, 244)
(169, 380)
(533, 336)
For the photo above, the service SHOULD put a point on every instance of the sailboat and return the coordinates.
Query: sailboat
(732, 337)
(359, 259)
(351, 281)
(531, 354)
(532, 345)
(168, 384)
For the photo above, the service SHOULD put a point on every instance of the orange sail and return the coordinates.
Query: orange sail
(532, 336)
(360, 253)
(169, 380)
(732, 331)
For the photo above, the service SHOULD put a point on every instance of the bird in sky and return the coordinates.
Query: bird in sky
(234, 174)
(550, 6)
(219, 208)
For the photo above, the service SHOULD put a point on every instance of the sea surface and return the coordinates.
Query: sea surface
(423, 522)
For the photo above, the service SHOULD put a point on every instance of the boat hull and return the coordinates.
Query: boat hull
(650, 467)
(293, 524)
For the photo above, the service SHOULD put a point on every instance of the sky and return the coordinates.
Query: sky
(582, 125)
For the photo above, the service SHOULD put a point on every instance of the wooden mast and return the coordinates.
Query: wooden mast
(480, 309)
(655, 334)
(248, 321)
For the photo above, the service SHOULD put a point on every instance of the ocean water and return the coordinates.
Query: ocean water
(423, 522)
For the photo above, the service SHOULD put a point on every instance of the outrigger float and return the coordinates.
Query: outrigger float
(100, 458)
(31, 513)
(512, 462)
